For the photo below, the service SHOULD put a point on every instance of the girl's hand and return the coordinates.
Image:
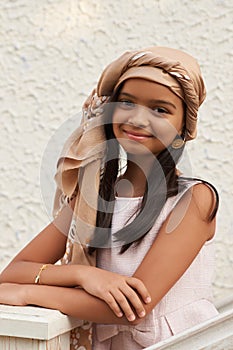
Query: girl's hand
(122, 294)
(13, 294)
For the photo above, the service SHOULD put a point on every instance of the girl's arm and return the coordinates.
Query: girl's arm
(178, 242)
(70, 301)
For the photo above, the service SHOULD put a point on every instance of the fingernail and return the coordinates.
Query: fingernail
(131, 318)
(142, 314)
(148, 299)
(120, 314)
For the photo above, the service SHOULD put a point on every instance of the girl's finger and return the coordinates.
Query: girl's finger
(124, 304)
(139, 286)
(111, 301)
(134, 300)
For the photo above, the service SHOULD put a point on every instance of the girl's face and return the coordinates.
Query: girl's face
(147, 117)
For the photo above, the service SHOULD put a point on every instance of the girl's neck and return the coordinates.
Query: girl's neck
(133, 182)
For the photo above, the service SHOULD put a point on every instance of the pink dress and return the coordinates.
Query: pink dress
(187, 303)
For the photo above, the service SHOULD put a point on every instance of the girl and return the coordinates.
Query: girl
(147, 229)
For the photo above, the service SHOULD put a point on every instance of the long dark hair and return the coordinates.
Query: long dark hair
(162, 183)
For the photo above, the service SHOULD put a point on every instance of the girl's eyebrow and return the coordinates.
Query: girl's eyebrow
(164, 102)
(126, 94)
(151, 101)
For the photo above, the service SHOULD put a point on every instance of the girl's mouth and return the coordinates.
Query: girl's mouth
(136, 136)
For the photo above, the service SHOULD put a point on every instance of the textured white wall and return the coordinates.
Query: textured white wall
(52, 52)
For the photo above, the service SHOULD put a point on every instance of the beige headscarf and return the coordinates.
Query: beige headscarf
(78, 172)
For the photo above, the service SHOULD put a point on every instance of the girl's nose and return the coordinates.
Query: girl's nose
(139, 117)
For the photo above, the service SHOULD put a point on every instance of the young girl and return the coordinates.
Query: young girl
(134, 239)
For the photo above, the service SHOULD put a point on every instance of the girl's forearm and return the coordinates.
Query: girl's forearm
(73, 302)
(24, 272)
(122, 294)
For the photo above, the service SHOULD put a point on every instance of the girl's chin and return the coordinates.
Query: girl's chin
(137, 150)
(140, 148)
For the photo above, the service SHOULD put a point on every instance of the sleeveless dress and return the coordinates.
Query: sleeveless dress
(186, 304)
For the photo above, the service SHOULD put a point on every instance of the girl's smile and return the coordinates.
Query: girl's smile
(136, 135)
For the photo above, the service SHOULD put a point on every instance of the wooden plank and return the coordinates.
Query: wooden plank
(34, 322)
(58, 343)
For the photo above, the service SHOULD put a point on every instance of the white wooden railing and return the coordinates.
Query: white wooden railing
(214, 334)
(24, 328)
(34, 328)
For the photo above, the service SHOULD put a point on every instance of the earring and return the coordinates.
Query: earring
(178, 143)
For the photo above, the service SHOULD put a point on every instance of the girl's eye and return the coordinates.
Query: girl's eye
(126, 104)
(160, 110)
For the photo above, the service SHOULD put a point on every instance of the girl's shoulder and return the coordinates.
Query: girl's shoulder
(203, 194)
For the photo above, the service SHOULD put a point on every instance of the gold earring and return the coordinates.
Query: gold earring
(178, 143)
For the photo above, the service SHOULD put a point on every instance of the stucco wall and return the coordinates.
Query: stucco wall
(52, 52)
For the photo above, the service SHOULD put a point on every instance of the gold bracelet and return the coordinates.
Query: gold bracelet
(37, 279)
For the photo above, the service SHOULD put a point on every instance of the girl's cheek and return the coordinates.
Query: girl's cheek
(121, 115)
(164, 131)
